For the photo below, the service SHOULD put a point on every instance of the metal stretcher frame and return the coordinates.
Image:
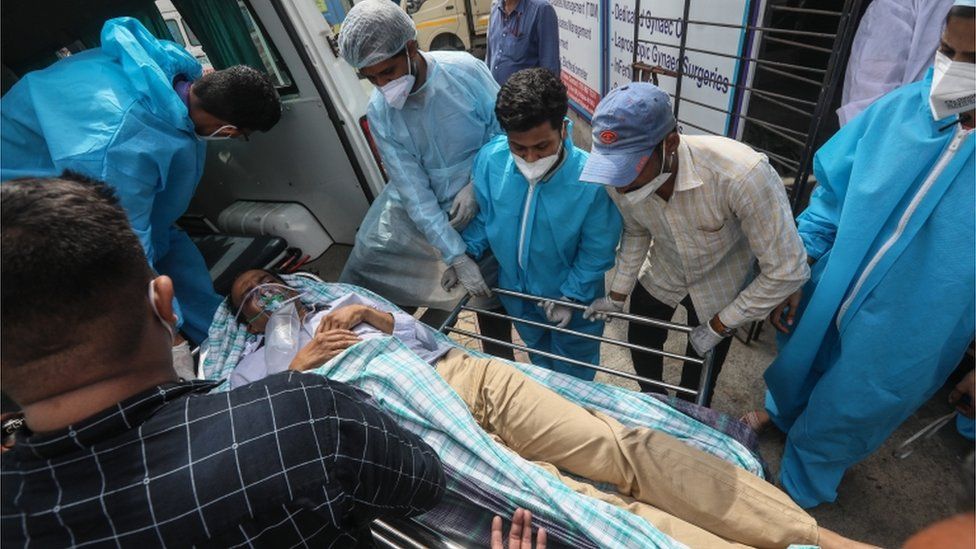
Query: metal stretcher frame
(408, 534)
(704, 386)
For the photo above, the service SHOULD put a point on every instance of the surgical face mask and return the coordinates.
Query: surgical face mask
(152, 303)
(396, 92)
(213, 135)
(635, 197)
(953, 87)
(536, 170)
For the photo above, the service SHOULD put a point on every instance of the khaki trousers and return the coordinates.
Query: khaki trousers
(694, 497)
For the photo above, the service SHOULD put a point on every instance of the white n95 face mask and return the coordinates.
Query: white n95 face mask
(397, 91)
(953, 87)
(635, 197)
(536, 170)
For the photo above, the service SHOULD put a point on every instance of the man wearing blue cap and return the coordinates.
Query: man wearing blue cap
(712, 207)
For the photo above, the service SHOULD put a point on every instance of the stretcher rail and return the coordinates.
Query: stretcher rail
(568, 360)
(601, 339)
(623, 316)
(701, 394)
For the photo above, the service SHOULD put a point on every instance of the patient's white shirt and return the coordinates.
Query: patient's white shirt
(417, 336)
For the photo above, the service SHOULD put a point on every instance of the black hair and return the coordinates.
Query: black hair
(68, 256)
(241, 96)
(529, 98)
(965, 12)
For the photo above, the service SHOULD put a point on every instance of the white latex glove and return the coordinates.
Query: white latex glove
(703, 338)
(449, 279)
(183, 361)
(464, 208)
(598, 309)
(560, 315)
(470, 276)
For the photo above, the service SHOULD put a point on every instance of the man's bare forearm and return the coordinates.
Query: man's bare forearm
(379, 320)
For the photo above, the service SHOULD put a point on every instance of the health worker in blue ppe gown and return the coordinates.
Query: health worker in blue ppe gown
(553, 235)
(430, 114)
(135, 113)
(889, 309)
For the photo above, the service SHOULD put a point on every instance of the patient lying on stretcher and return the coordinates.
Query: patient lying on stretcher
(694, 497)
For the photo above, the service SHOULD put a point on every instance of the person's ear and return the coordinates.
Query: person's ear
(412, 48)
(672, 140)
(163, 298)
(565, 132)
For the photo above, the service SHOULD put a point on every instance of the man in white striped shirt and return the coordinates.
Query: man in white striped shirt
(698, 212)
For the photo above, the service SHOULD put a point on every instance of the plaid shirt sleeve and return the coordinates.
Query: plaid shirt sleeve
(759, 201)
(634, 242)
(387, 470)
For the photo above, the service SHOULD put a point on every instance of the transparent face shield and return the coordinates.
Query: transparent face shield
(267, 298)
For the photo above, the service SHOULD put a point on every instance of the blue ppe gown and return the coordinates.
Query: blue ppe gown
(889, 309)
(111, 113)
(405, 242)
(555, 238)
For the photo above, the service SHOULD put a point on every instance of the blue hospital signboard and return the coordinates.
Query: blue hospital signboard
(709, 81)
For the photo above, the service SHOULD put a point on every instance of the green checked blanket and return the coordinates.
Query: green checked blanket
(410, 390)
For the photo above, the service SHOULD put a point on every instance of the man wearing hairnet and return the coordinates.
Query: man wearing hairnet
(430, 114)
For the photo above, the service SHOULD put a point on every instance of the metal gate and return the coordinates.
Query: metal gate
(800, 119)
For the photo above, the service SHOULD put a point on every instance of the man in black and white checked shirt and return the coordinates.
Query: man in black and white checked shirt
(118, 452)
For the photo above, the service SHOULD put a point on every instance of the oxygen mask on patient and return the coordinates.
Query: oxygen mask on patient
(282, 333)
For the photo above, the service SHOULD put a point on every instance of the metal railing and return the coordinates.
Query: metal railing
(800, 121)
(705, 383)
